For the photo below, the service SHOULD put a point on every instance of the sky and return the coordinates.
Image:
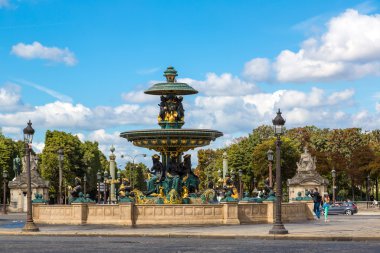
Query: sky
(82, 66)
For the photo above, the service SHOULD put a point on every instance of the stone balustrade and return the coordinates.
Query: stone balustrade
(130, 214)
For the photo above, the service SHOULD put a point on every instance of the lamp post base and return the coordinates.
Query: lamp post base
(278, 229)
(30, 227)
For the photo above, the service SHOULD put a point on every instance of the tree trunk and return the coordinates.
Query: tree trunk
(377, 188)
(352, 189)
(361, 192)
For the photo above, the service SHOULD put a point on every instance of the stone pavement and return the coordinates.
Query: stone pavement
(361, 227)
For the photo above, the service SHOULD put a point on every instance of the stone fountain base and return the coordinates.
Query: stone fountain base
(130, 214)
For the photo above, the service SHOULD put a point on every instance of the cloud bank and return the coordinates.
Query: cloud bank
(349, 49)
(37, 51)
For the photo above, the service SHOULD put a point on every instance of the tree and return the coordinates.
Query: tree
(344, 146)
(138, 173)
(289, 156)
(8, 151)
(93, 161)
(73, 164)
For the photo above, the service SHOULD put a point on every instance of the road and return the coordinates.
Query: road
(31, 244)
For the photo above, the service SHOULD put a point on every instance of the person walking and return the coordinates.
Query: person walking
(326, 207)
(317, 202)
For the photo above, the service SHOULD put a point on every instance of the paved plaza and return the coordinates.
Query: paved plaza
(362, 227)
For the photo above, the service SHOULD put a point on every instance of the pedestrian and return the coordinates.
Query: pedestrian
(317, 202)
(326, 206)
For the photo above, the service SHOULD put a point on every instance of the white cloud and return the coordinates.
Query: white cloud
(53, 93)
(38, 146)
(138, 97)
(37, 51)
(259, 69)
(349, 49)
(9, 96)
(377, 107)
(226, 83)
(337, 97)
(11, 130)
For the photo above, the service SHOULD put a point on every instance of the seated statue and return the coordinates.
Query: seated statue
(173, 176)
(76, 190)
(125, 192)
(190, 180)
(157, 174)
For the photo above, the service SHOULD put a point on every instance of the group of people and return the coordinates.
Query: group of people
(318, 202)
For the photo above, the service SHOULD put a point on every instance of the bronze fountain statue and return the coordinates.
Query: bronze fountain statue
(171, 179)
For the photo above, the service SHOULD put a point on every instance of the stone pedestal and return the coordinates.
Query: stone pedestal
(18, 188)
(306, 179)
(230, 210)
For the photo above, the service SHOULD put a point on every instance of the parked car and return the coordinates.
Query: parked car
(348, 208)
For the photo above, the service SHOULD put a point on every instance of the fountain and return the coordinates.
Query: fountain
(172, 180)
(172, 197)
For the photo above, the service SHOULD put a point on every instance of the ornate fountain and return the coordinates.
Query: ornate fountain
(172, 180)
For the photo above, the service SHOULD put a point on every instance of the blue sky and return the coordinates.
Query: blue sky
(81, 66)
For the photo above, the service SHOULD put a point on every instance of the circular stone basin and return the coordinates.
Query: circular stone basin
(179, 140)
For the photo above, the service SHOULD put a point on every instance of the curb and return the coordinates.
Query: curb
(199, 236)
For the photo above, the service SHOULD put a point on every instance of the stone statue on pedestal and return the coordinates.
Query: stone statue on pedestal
(306, 177)
(17, 166)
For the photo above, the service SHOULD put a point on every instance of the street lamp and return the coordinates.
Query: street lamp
(270, 159)
(118, 175)
(278, 124)
(333, 174)
(133, 165)
(240, 185)
(60, 160)
(98, 177)
(5, 176)
(28, 138)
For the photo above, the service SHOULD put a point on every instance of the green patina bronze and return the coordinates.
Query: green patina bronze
(172, 180)
(39, 199)
(171, 86)
(300, 198)
(228, 198)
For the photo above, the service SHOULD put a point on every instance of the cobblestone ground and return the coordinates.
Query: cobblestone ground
(31, 244)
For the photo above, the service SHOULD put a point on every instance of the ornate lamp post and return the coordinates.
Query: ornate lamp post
(84, 184)
(278, 226)
(225, 164)
(333, 175)
(60, 159)
(98, 177)
(233, 176)
(270, 159)
(118, 174)
(28, 138)
(5, 177)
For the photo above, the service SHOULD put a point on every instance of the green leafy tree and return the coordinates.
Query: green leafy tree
(73, 164)
(289, 156)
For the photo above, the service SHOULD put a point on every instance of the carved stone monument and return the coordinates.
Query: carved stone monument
(18, 187)
(307, 178)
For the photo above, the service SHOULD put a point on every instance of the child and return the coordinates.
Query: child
(326, 206)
